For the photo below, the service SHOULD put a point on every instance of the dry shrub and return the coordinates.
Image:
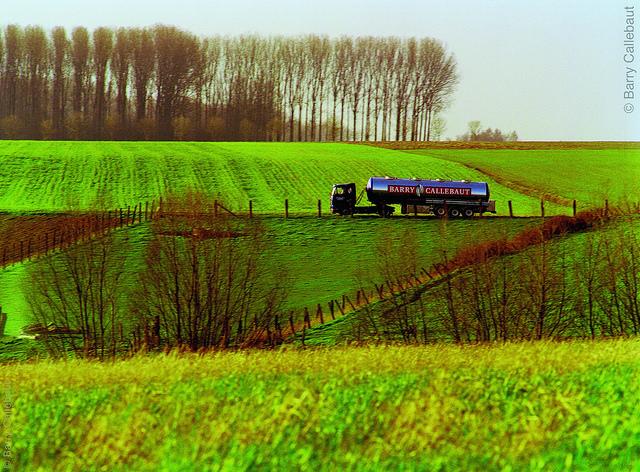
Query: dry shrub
(207, 283)
(23, 236)
(550, 228)
(74, 298)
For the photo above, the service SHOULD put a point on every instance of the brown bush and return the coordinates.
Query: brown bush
(206, 282)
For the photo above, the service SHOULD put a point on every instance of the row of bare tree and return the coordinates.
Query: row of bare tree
(165, 83)
(546, 292)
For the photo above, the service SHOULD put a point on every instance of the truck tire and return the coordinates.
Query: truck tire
(385, 211)
(468, 212)
(454, 212)
(440, 212)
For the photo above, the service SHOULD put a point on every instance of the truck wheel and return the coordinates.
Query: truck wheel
(440, 212)
(455, 212)
(468, 213)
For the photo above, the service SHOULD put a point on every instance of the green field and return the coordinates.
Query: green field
(323, 257)
(542, 406)
(59, 175)
(527, 406)
(587, 175)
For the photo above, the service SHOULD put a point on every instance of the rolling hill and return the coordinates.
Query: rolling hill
(59, 175)
(588, 175)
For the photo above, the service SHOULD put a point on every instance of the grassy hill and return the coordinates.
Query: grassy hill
(574, 247)
(324, 257)
(587, 175)
(59, 175)
(541, 406)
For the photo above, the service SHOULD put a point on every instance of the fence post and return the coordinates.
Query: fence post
(510, 209)
(278, 329)
(121, 217)
(333, 316)
(606, 208)
(250, 208)
(156, 327)
(146, 210)
(319, 208)
(542, 208)
(575, 207)
(350, 303)
(391, 291)
(286, 208)
(128, 214)
(307, 319)
(319, 314)
(3, 322)
(140, 214)
(292, 326)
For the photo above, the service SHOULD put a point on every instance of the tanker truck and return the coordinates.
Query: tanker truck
(453, 198)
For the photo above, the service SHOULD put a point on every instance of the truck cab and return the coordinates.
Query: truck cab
(344, 202)
(343, 198)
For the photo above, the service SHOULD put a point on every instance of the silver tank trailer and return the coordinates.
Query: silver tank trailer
(416, 191)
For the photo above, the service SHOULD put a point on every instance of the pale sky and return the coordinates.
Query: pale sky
(549, 69)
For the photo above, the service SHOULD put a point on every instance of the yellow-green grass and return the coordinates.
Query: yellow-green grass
(322, 257)
(588, 175)
(542, 406)
(59, 175)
